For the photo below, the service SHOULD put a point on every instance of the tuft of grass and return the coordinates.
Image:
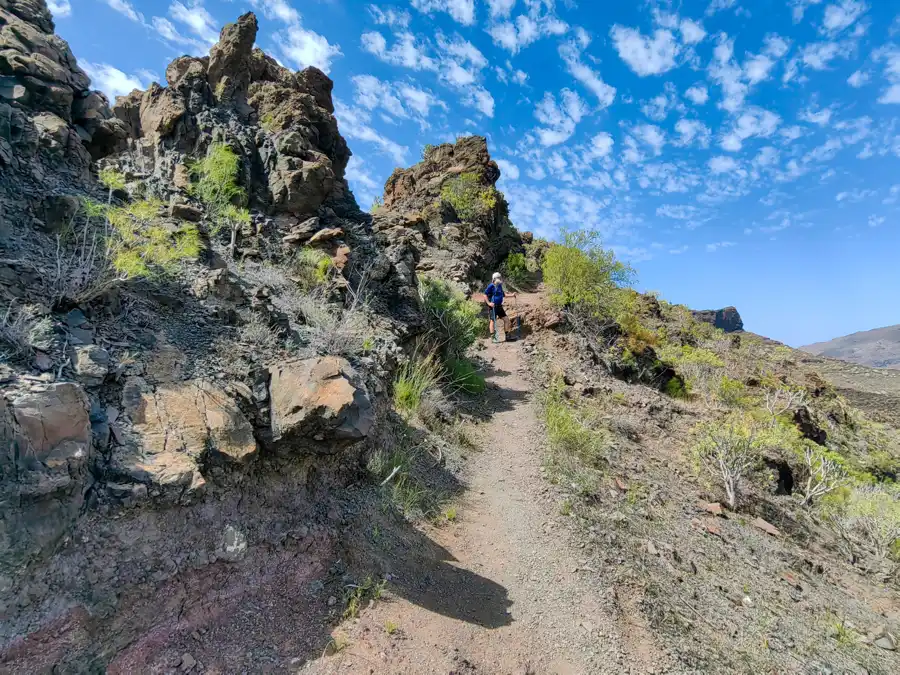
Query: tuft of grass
(465, 376)
(357, 595)
(258, 334)
(450, 514)
(336, 644)
(413, 380)
(22, 329)
(391, 627)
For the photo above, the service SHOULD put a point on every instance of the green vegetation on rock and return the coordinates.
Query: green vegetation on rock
(468, 196)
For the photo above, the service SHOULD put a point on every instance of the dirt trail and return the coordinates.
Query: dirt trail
(514, 597)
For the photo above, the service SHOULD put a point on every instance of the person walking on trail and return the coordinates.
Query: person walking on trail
(494, 295)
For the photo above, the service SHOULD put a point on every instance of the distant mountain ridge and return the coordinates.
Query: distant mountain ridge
(879, 348)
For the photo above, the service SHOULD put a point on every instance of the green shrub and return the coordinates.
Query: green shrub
(463, 375)
(678, 389)
(468, 197)
(311, 267)
(427, 150)
(140, 246)
(515, 268)
(112, 180)
(584, 277)
(733, 393)
(377, 205)
(216, 177)
(454, 323)
(868, 518)
(696, 365)
(727, 451)
(413, 380)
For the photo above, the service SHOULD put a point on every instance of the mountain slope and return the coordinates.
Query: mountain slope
(879, 348)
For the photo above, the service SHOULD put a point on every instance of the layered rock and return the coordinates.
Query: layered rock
(422, 231)
(728, 319)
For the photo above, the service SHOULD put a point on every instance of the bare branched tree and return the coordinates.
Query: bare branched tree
(823, 475)
(728, 452)
(780, 401)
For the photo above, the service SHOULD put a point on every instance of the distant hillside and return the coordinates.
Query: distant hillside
(879, 348)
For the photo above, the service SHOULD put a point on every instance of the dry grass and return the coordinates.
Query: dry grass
(22, 330)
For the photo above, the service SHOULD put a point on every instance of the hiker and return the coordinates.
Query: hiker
(494, 295)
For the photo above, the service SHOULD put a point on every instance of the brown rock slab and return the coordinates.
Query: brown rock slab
(766, 527)
(714, 508)
(316, 399)
(325, 235)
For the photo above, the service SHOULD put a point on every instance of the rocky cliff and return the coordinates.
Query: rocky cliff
(172, 444)
(728, 319)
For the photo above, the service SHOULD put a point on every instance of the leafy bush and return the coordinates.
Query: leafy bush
(583, 277)
(463, 375)
(312, 267)
(454, 323)
(733, 393)
(515, 268)
(216, 179)
(413, 380)
(112, 180)
(427, 150)
(728, 451)
(696, 365)
(141, 247)
(869, 518)
(468, 197)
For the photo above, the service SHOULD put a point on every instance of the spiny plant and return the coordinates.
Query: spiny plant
(413, 380)
(139, 246)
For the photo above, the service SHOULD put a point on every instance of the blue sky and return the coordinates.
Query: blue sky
(737, 152)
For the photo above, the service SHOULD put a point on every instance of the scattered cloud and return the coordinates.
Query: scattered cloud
(855, 195)
(712, 248)
(840, 16)
(721, 164)
(679, 211)
(754, 122)
(355, 123)
(876, 221)
(508, 169)
(195, 17)
(390, 17)
(112, 81)
(692, 132)
(698, 94)
(559, 118)
(526, 29)
(646, 55)
(126, 9)
(571, 56)
(858, 79)
(59, 8)
(462, 11)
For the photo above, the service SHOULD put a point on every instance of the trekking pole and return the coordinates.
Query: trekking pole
(496, 328)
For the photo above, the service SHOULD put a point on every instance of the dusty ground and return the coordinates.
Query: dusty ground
(502, 591)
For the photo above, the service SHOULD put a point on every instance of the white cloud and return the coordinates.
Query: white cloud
(277, 9)
(559, 119)
(754, 122)
(792, 133)
(680, 250)
(854, 196)
(679, 212)
(420, 100)
(697, 94)
(526, 29)
(646, 55)
(389, 17)
(712, 248)
(357, 173)
(799, 8)
(691, 32)
(691, 132)
(839, 17)
(508, 169)
(890, 95)
(890, 56)
(500, 8)
(571, 56)
(876, 221)
(601, 145)
(480, 98)
(858, 79)
(110, 80)
(355, 124)
(722, 164)
(651, 135)
(462, 11)
(819, 54)
(406, 51)
(59, 8)
(302, 48)
(196, 18)
(125, 8)
(719, 5)
(820, 117)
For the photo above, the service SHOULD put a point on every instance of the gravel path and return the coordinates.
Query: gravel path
(504, 592)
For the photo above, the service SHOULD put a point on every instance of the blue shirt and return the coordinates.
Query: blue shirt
(495, 293)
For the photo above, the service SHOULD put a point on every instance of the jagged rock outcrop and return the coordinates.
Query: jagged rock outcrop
(728, 319)
(423, 230)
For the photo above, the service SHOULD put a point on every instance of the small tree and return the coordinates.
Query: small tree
(235, 217)
(824, 473)
(583, 277)
(112, 180)
(780, 400)
(727, 452)
(468, 197)
(870, 517)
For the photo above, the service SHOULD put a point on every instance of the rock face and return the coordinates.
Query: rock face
(424, 232)
(728, 319)
(319, 399)
(279, 122)
(46, 450)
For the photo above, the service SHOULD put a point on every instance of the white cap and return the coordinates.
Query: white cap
(496, 276)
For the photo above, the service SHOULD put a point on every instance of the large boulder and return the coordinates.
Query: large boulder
(176, 428)
(45, 451)
(228, 72)
(318, 403)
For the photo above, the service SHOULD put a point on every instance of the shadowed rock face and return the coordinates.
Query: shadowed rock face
(727, 319)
